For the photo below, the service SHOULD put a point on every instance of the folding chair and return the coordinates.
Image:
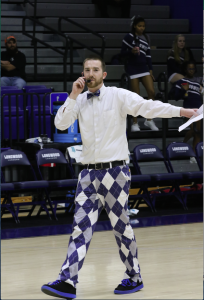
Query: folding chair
(199, 155)
(16, 169)
(178, 155)
(54, 168)
(6, 190)
(148, 160)
(139, 182)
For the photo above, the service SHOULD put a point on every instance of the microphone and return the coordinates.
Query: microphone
(87, 80)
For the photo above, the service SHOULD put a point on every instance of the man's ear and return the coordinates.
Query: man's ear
(82, 73)
(104, 75)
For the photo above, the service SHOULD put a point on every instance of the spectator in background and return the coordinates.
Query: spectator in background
(103, 7)
(176, 57)
(136, 46)
(189, 89)
(12, 65)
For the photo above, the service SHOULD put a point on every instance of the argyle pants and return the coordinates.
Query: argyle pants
(96, 189)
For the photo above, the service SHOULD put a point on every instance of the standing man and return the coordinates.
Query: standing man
(12, 65)
(105, 179)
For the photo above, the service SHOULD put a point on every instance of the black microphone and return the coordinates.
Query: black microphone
(87, 80)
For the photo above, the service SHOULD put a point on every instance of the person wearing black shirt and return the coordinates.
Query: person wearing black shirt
(189, 89)
(176, 58)
(12, 65)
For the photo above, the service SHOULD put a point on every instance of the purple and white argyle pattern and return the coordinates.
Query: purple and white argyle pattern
(96, 189)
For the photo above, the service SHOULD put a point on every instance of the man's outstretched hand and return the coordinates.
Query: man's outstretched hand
(188, 113)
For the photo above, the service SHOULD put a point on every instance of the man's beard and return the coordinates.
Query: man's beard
(12, 51)
(93, 84)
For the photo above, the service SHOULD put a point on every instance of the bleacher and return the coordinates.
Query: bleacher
(159, 26)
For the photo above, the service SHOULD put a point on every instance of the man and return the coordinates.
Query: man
(12, 65)
(105, 179)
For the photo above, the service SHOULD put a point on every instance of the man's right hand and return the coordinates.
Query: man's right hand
(77, 88)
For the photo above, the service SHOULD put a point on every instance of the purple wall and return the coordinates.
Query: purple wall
(186, 9)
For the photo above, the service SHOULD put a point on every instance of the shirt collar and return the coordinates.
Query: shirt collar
(102, 91)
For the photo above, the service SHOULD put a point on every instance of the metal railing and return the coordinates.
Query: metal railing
(37, 40)
(18, 111)
(69, 41)
(163, 78)
(72, 40)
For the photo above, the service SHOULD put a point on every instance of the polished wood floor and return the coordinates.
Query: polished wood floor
(171, 261)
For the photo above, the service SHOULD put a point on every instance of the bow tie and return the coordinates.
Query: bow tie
(90, 95)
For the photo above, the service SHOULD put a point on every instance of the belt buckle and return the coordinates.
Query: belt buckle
(99, 167)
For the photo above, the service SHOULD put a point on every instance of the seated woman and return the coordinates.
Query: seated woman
(176, 57)
(189, 89)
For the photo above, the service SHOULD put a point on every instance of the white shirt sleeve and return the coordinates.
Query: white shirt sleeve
(135, 105)
(64, 120)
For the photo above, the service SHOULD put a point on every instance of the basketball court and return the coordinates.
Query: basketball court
(170, 257)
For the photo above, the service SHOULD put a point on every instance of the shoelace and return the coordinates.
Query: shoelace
(55, 282)
(127, 282)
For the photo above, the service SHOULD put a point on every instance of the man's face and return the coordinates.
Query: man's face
(93, 71)
(11, 46)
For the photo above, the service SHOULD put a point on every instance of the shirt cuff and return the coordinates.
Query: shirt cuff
(176, 111)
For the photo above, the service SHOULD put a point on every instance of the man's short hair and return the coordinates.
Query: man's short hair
(94, 57)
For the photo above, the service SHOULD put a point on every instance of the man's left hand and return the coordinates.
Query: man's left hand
(188, 113)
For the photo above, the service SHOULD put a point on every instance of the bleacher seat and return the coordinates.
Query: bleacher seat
(11, 90)
(178, 155)
(120, 25)
(15, 101)
(17, 170)
(5, 88)
(41, 91)
(44, 101)
(148, 160)
(28, 87)
(55, 169)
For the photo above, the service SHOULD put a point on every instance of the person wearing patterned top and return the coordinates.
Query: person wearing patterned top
(176, 57)
(136, 48)
(189, 89)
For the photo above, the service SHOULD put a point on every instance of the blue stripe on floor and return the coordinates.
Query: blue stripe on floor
(100, 226)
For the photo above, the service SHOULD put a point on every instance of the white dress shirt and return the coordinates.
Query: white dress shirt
(102, 121)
